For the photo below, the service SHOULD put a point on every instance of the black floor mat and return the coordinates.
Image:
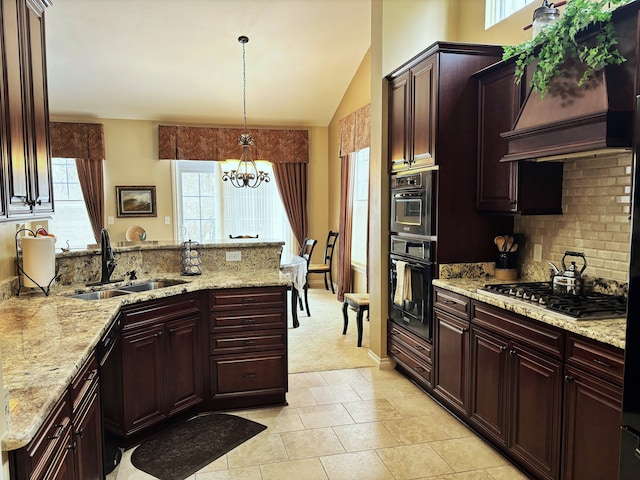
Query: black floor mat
(183, 449)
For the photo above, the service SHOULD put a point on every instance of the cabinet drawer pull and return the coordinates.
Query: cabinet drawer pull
(418, 369)
(395, 332)
(172, 331)
(249, 320)
(249, 342)
(395, 350)
(449, 302)
(568, 378)
(417, 346)
(92, 375)
(80, 432)
(73, 446)
(601, 363)
(503, 348)
(250, 375)
(248, 300)
(159, 334)
(513, 353)
(58, 433)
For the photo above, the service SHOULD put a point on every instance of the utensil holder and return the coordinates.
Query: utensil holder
(36, 264)
(506, 266)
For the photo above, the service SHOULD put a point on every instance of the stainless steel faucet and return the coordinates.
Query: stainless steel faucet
(108, 260)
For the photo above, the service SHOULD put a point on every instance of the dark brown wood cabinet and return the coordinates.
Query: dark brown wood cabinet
(247, 347)
(68, 446)
(451, 348)
(522, 187)
(156, 368)
(433, 123)
(26, 165)
(411, 353)
(516, 387)
(412, 107)
(592, 410)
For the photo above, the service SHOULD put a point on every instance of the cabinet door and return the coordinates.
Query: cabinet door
(37, 114)
(499, 102)
(398, 126)
(184, 364)
(592, 412)
(63, 467)
(16, 167)
(423, 112)
(143, 378)
(488, 384)
(452, 355)
(536, 407)
(87, 430)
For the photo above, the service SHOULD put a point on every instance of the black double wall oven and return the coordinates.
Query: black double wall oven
(411, 249)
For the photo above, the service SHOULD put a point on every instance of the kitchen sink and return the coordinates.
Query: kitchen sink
(100, 295)
(154, 285)
(127, 289)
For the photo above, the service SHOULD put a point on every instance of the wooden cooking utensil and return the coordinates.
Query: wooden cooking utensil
(499, 241)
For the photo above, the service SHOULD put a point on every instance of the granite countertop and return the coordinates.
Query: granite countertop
(610, 331)
(46, 339)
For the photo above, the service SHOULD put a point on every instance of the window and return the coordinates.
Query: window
(497, 10)
(70, 221)
(210, 209)
(360, 225)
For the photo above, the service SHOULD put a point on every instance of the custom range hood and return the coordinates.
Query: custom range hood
(574, 121)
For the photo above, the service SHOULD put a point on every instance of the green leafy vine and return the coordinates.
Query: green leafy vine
(555, 43)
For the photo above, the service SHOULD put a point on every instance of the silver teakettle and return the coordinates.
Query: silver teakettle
(570, 281)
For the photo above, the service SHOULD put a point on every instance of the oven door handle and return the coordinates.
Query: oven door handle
(408, 195)
(413, 266)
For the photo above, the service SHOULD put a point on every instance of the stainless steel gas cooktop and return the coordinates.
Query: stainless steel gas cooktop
(594, 306)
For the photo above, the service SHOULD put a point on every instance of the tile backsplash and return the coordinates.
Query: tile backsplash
(596, 195)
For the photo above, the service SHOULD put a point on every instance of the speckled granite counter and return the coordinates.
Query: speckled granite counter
(611, 331)
(46, 339)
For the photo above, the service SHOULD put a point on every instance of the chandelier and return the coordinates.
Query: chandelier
(246, 173)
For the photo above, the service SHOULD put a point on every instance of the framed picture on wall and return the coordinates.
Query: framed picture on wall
(136, 201)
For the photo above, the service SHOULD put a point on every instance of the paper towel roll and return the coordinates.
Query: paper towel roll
(38, 260)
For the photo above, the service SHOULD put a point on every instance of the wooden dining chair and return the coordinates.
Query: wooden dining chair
(243, 236)
(306, 250)
(325, 268)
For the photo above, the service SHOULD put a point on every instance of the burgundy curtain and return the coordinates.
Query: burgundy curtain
(92, 184)
(85, 143)
(291, 179)
(346, 217)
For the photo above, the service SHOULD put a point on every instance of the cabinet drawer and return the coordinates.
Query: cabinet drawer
(159, 311)
(242, 320)
(248, 374)
(413, 364)
(418, 346)
(50, 439)
(604, 361)
(82, 382)
(544, 338)
(451, 302)
(241, 298)
(249, 342)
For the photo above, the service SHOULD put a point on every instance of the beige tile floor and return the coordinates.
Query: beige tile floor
(353, 423)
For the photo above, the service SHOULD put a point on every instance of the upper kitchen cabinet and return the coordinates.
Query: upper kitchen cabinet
(426, 101)
(26, 163)
(509, 187)
(412, 110)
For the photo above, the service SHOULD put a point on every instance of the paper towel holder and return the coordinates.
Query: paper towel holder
(20, 269)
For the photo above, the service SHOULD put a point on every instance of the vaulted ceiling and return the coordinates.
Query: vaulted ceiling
(180, 60)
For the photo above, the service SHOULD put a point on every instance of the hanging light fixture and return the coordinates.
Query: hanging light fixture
(246, 173)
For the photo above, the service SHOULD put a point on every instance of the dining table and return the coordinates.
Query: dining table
(294, 267)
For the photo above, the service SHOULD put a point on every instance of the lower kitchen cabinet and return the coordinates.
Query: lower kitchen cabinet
(516, 387)
(155, 370)
(592, 410)
(411, 353)
(248, 347)
(451, 348)
(68, 446)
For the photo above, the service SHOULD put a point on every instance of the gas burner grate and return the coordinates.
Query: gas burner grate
(584, 307)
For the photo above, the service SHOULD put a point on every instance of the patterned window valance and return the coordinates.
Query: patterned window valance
(213, 143)
(355, 131)
(77, 140)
